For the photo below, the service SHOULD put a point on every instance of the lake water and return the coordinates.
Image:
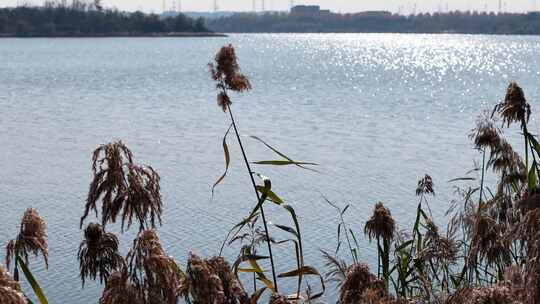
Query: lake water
(375, 111)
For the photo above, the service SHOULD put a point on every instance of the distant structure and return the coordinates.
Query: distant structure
(374, 14)
(308, 10)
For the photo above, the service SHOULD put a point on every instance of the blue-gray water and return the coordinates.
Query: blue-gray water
(376, 111)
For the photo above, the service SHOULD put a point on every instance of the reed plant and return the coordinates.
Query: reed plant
(226, 73)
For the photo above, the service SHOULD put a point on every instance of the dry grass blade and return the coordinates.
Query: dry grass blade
(32, 238)
(98, 254)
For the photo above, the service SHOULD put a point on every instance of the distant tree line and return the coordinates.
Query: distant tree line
(58, 18)
(381, 22)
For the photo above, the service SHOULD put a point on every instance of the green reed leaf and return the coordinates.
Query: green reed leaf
(271, 195)
(462, 179)
(32, 281)
(345, 209)
(532, 177)
(306, 270)
(227, 160)
(292, 162)
(288, 229)
(282, 163)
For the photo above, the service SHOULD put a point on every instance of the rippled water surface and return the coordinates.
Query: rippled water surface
(376, 111)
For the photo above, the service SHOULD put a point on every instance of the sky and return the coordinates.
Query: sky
(402, 6)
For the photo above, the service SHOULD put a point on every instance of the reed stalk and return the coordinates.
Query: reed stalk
(254, 184)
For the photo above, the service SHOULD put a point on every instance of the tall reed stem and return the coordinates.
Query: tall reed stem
(483, 174)
(258, 197)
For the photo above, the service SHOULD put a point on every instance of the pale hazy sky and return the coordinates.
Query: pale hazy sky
(404, 6)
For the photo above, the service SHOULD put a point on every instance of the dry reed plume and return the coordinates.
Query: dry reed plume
(98, 254)
(381, 224)
(10, 290)
(32, 239)
(156, 275)
(227, 75)
(212, 281)
(362, 287)
(514, 107)
(425, 186)
(120, 290)
(123, 187)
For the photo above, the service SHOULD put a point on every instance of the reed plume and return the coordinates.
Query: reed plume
(11, 296)
(504, 159)
(154, 274)
(485, 134)
(32, 238)
(227, 75)
(120, 290)
(529, 232)
(488, 241)
(438, 249)
(232, 288)
(98, 254)
(278, 299)
(212, 281)
(6, 280)
(10, 290)
(361, 285)
(381, 224)
(123, 187)
(425, 186)
(514, 107)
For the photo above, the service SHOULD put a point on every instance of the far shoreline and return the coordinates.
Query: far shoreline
(117, 35)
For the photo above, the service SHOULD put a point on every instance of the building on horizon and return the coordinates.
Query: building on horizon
(308, 10)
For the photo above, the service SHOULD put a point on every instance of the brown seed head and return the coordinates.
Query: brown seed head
(358, 280)
(120, 290)
(225, 71)
(98, 254)
(123, 187)
(234, 292)
(514, 108)
(489, 242)
(278, 299)
(11, 296)
(6, 280)
(505, 160)
(381, 224)
(151, 270)
(485, 134)
(212, 281)
(425, 186)
(438, 249)
(32, 238)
